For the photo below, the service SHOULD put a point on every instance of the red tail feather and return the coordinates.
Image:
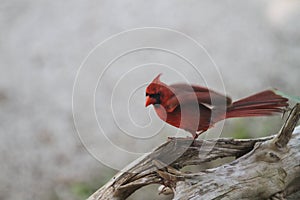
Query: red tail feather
(260, 104)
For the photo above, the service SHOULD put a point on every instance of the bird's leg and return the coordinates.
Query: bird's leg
(196, 135)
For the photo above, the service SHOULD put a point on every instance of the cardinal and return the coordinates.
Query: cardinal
(196, 109)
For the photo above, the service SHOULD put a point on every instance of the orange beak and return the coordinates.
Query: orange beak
(149, 101)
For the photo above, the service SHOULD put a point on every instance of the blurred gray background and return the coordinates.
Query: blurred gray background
(256, 45)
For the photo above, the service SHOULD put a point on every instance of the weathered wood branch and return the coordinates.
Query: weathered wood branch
(286, 131)
(265, 168)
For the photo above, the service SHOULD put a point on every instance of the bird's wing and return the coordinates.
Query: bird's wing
(189, 94)
(189, 88)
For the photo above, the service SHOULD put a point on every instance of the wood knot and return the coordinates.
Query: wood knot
(268, 156)
(273, 157)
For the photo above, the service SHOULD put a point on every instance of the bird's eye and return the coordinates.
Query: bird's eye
(147, 94)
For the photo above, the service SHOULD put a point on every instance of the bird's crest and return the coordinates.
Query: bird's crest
(157, 79)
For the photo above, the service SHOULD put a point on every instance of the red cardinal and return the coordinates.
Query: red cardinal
(196, 109)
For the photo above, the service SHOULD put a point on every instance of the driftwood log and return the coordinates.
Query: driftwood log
(264, 168)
